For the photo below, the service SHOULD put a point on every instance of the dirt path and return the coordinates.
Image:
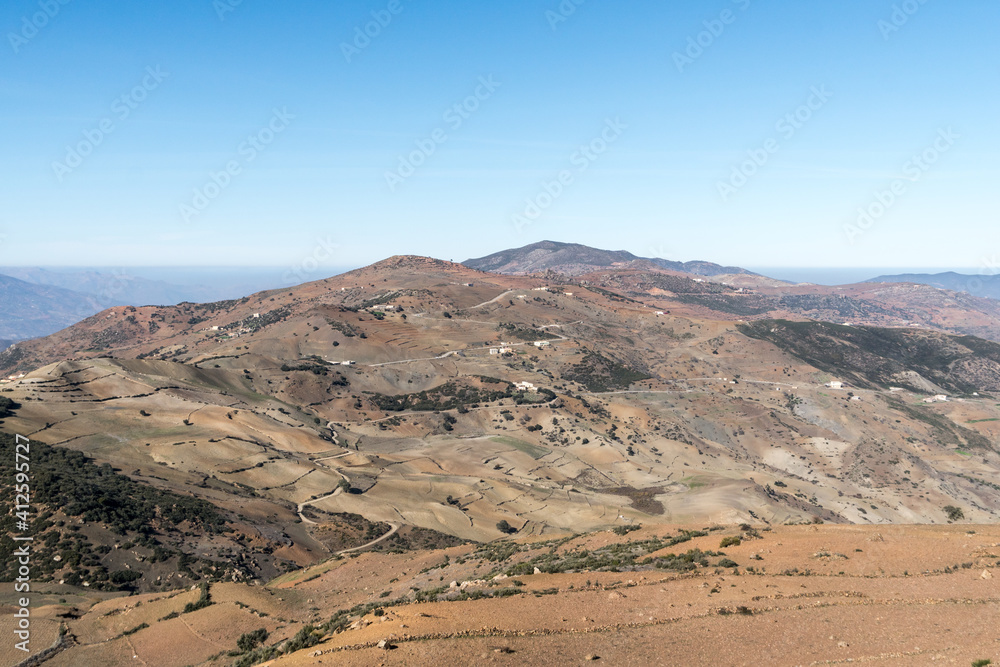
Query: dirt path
(404, 361)
(449, 353)
(392, 531)
(306, 503)
(337, 456)
(496, 298)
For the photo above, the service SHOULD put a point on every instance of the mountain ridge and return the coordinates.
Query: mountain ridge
(573, 259)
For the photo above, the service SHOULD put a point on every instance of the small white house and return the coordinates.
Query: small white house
(835, 384)
(541, 343)
(939, 398)
(524, 386)
(494, 350)
(347, 363)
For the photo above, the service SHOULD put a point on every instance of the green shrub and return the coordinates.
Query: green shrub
(204, 600)
(248, 641)
(124, 576)
(953, 513)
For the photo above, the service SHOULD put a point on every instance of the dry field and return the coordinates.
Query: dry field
(797, 595)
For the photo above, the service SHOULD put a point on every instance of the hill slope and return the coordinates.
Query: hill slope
(977, 285)
(490, 419)
(642, 404)
(650, 595)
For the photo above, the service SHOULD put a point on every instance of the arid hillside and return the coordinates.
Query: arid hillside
(417, 405)
(664, 595)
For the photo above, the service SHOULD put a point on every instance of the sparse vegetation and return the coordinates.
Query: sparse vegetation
(524, 333)
(873, 357)
(66, 481)
(599, 373)
(447, 396)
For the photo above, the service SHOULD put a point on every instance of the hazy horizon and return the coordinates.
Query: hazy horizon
(200, 275)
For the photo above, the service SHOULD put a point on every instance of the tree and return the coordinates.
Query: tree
(505, 527)
(7, 406)
(954, 513)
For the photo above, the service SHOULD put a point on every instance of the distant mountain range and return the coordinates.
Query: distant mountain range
(28, 310)
(574, 259)
(984, 285)
(113, 286)
(38, 301)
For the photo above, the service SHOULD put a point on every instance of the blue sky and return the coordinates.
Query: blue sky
(589, 128)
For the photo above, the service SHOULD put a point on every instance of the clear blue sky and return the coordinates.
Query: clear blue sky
(678, 130)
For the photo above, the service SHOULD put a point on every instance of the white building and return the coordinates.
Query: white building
(835, 384)
(524, 386)
(347, 363)
(541, 343)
